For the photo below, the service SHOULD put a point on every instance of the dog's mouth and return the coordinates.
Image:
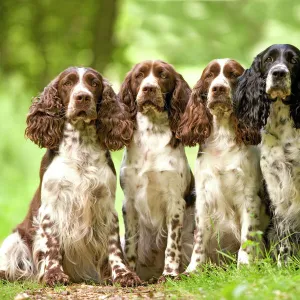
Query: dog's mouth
(147, 105)
(83, 115)
(222, 102)
(278, 92)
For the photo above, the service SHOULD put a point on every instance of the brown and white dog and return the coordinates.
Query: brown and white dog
(227, 174)
(71, 230)
(155, 175)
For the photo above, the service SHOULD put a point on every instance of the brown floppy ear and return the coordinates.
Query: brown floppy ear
(127, 97)
(244, 134)
(178, 102)
(45, 120)
(196, 122)
(115, 128)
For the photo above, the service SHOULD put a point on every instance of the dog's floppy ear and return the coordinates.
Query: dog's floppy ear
(127, 97)
(295, 100)
(196, 122)
(250, 100)
(245, 134)
(45, 120)
(178, 102)
(115, 127)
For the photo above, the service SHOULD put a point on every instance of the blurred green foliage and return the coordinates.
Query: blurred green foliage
(38, 39)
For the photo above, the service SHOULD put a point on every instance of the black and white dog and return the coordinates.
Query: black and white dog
(268, 97)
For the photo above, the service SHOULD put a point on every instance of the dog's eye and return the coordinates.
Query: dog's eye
(294, 60)
(233, 75)
(163, 75)
(209, 75)
(95, 83)
(269, 59)
(68, 83)
(140, 75)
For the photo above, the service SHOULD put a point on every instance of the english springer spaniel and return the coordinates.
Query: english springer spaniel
(155, 175)
(71, 230)
(227, 175)
(268, 98)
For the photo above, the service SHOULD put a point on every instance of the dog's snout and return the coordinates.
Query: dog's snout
(279, 73)
(149, 89)
(219, 89)
(83, 97)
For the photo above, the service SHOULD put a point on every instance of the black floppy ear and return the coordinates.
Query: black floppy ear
(295, 101)
(250, 100)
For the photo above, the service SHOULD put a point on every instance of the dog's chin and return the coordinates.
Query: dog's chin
(277, 92)
(149, 107)
(83, 117)
(220, 105)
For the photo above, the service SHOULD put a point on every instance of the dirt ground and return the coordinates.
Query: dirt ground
(84, 291)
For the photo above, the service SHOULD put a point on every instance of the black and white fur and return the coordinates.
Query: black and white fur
(268, 97)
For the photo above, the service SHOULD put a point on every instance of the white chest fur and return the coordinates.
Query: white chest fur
(152, 170)
(77, 191)
(226, 174)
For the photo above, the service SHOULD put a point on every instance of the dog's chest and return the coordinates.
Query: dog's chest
(79, 172)
(150, 149)
(281, 141)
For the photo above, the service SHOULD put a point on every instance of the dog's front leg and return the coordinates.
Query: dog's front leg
(131, 232)
(46, 251)
(175, 215)
(121, 274)
(249, 225)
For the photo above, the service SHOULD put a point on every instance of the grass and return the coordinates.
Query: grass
(262, 280)
(9, 290)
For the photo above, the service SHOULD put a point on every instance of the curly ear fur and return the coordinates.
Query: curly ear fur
(251, 103)
(244, 134)
(115, 127)
(177, 104)
(127, 97)
(196, 122)
(45, 120)
(295, 101)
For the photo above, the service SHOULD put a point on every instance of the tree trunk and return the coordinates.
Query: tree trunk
(103, 29)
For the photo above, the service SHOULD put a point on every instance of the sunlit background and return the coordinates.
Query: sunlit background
(38, 39)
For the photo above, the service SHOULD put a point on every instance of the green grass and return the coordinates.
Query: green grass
(263, 280)
(9, 290)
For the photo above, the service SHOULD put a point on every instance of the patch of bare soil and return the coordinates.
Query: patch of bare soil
(84, 291)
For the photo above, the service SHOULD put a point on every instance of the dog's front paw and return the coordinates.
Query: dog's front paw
(54, 277)
(163, 278)
(127, 279)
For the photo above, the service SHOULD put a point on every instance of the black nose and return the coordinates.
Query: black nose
(219, 89)
(279, 73)
(148, 89)
(84, 97)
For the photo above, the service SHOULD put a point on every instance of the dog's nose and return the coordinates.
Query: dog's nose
(279, 73)
(219, 89)
(83, 97)
(149, 89)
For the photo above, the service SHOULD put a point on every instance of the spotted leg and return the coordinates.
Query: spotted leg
(121, 274)
(131, 232)
(201, 234)
(46, 252)
(173, 251)
(282, 239)
(249, 224)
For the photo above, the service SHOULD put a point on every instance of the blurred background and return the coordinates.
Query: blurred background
(39, 39)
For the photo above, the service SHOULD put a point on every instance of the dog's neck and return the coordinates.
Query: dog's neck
(79, 137)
